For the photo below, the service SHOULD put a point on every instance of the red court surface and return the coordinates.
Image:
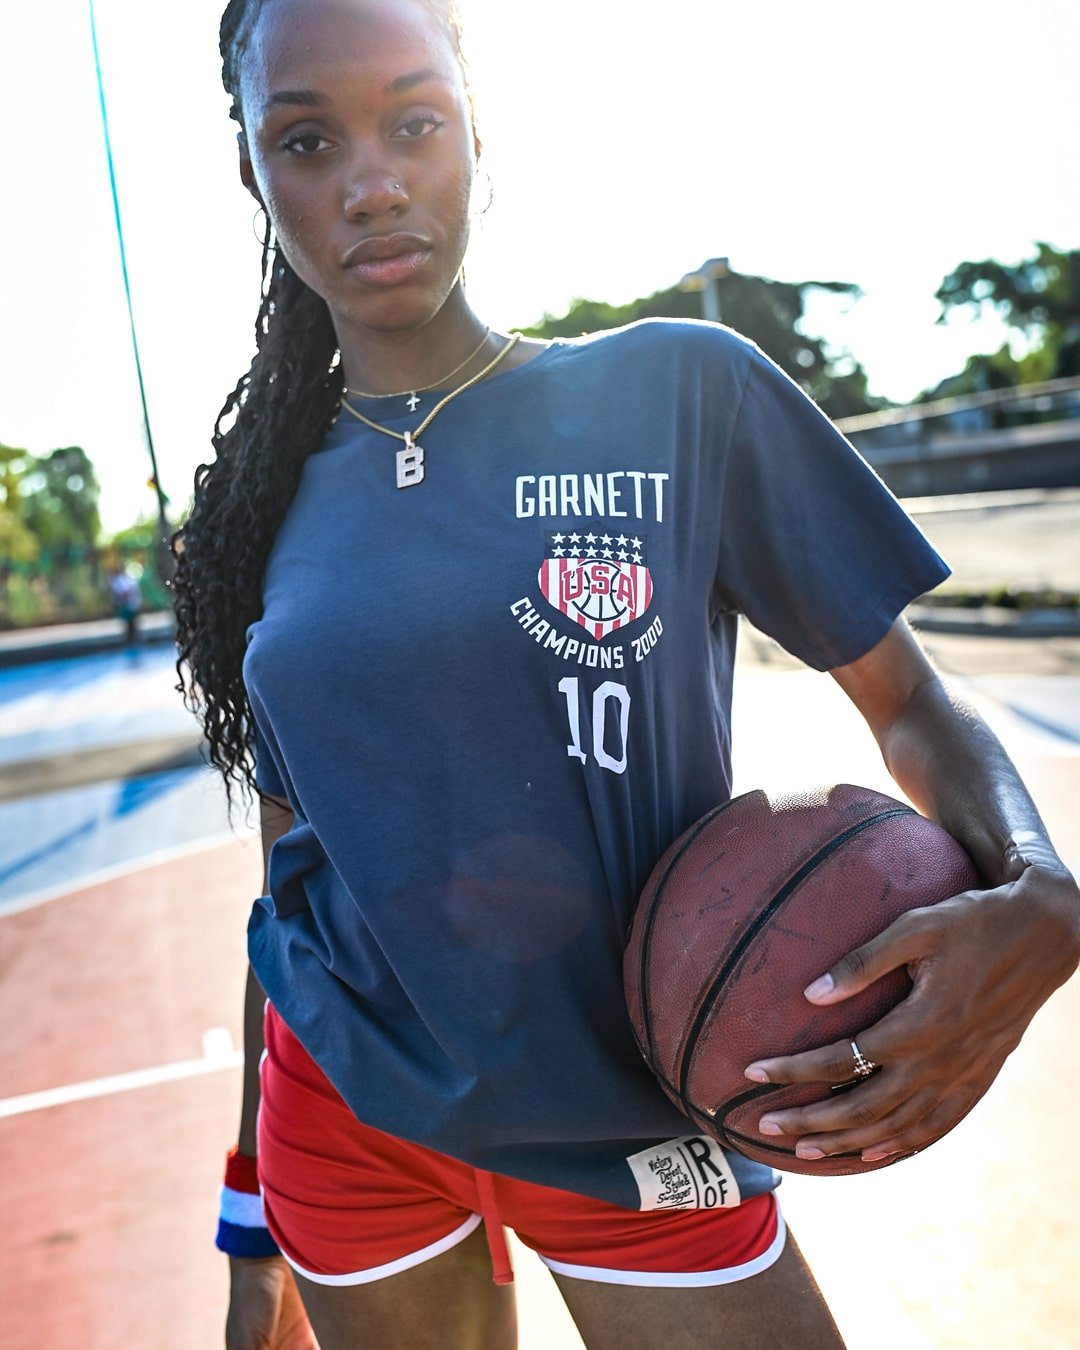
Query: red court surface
(110, 1202)
(109, 1190)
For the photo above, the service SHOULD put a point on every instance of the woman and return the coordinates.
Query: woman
(470, 601)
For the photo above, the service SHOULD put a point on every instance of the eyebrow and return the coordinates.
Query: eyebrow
(304, 98)
(404, 83)
(311, 98)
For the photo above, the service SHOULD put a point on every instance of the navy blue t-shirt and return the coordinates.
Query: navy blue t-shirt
(493, 699)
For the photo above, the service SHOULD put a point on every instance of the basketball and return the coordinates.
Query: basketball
(744, 910)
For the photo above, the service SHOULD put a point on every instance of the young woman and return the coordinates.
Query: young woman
(470, 603)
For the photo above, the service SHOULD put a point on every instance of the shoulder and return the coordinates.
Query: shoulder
(678, 337)
(691, 356)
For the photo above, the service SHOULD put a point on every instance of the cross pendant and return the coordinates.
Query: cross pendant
(413, 402)
(410, 463)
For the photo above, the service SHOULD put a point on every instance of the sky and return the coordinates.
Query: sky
(625, 143)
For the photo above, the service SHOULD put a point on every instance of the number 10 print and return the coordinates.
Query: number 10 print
(601, 702)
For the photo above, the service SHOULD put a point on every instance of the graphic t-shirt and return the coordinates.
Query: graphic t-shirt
(493, 699)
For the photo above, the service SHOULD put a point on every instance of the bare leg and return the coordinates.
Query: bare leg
(447, 1303)
(780, 1309)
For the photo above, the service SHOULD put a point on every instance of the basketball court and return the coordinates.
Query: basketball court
(122, 911)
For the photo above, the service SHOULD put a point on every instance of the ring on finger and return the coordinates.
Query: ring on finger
(864, 1065)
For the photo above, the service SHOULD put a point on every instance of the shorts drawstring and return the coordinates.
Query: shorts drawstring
(493, 1228)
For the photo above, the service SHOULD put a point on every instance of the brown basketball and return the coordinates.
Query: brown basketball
(742, 912)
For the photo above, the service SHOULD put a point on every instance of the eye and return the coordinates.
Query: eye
(417, 127)
(305, 143)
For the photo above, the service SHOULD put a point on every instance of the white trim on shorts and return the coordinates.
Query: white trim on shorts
(662, 1279)
(471, 1224)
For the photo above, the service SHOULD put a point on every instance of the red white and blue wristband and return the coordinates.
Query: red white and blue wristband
(242, 1229)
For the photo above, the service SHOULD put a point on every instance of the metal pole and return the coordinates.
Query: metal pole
(163, 555)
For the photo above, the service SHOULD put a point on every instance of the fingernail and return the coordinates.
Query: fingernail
(874, 1155)
(808, 1152)
(756, 1074)
(768, 1126)
(820, 987)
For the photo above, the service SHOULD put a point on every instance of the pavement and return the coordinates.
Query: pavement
(123, 893)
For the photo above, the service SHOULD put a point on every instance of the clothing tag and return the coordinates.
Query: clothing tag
(687, 1173)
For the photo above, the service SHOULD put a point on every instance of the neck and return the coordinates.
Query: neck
(388, 362)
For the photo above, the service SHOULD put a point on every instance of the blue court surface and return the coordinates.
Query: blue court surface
(80, 718)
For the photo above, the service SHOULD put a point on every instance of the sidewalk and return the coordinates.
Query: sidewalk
(1025, 541)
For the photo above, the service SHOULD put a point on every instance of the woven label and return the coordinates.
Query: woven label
(687, 1173)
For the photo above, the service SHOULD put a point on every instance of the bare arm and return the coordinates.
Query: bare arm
(276, 819)
(265, 1312)
(982, 963)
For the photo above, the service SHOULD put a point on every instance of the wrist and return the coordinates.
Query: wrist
(1026, 849)
(242, 1230)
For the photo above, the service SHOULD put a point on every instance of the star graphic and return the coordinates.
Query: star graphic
(590, 538)
(605, 538)
(636, 543)
(557, 538)
(558, 552)
(575, 538)
(622, 555)
(637, 558)
(622, 540)
(605, 553)
(590, 553)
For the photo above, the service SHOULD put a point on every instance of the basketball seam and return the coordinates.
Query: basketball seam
(649, 1048)
(739, 950)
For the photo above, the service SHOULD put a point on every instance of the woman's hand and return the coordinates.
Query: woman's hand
(265, 1312)
(981, 965)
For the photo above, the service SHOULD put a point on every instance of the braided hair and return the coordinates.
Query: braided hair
(277, 415)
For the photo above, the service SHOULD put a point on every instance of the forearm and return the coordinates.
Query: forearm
(955, 770)
(254, 1000)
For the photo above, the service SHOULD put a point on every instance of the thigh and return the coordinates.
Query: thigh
(448, 1303)
(779, 1309)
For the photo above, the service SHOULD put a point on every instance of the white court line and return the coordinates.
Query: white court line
(218, 1054)
(123, 869)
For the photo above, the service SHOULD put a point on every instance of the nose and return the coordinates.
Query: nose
(374, 190)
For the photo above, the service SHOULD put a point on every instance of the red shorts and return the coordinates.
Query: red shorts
(348, 1204)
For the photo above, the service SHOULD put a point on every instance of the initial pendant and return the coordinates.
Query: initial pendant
(410, 463)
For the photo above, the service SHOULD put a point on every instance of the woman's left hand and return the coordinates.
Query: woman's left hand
(981, 965)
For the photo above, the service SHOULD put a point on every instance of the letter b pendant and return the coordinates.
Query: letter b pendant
(410, 463)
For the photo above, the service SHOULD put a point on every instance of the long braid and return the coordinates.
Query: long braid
(278, 414)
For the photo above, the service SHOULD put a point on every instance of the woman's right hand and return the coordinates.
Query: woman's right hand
(265, 1312)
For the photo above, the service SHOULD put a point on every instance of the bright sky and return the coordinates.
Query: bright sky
(627, 143)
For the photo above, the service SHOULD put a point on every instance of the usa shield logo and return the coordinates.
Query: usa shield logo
(601, 581)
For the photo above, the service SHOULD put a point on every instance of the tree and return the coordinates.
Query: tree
(18, 543)
(59, 495)
(768, 312)
(1038, 298)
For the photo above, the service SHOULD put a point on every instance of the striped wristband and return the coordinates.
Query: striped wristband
(242, 1229)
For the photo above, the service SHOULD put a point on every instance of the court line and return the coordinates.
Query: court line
(218, 1053)
(123, 869)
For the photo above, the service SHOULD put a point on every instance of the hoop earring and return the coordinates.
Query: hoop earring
(263, 234)
(483, 210)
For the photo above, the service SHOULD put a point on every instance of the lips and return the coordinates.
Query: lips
(383, 247)
(387, 259)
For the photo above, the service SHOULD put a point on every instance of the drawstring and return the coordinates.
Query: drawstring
(493, 1227)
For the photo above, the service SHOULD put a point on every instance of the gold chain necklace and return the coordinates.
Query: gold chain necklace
(410, 461)
(414, 402)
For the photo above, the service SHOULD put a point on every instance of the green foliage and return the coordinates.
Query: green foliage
(59, 493)
(49, 527)
(768, 312)
(1038, 297)
(18, 543)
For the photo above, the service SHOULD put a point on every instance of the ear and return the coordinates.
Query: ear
(247, 172)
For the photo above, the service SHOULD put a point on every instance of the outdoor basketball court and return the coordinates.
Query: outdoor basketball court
(122, 912)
